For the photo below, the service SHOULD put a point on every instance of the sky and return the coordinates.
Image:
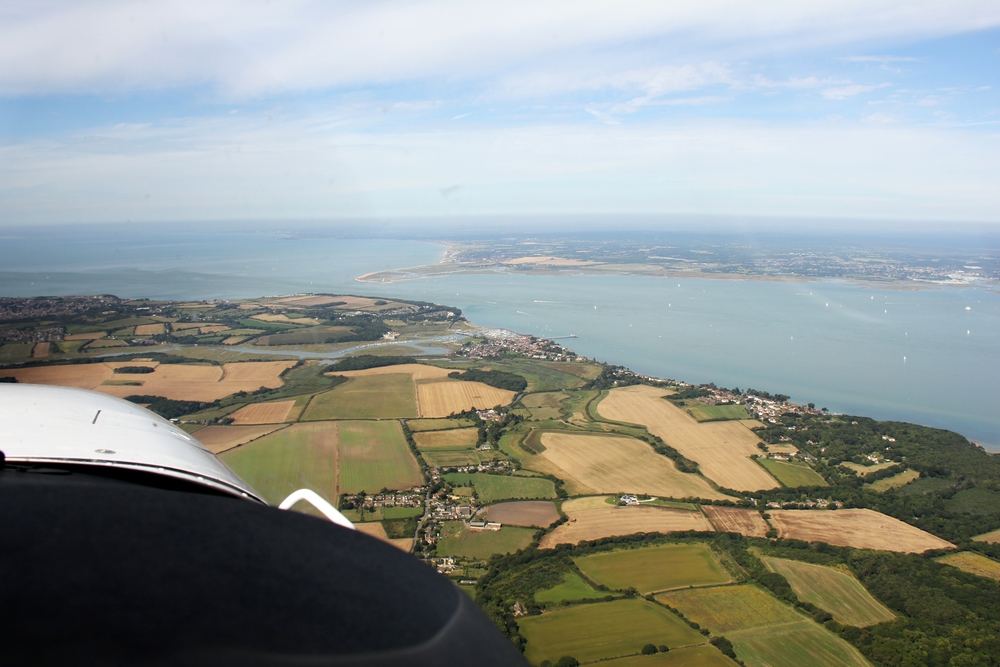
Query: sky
(200, 111)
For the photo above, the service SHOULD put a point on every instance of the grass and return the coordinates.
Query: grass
(300, 456)
(654, 568)
(418, 425)
(491, 488)
(863, 471)
(792, 474)
(458, 540)
(389, 396)
(546, 405)
(832, 590)
(15, 351)
(894, 482)
(374, 455)
(794, 645)
(694, 656)
(603, 630)
(573, 587)
(973, 563)
(727, 608)
(926, 485)
(977, 500)
(446, 459)
(714, 413)
(383, 513)
(539, 377)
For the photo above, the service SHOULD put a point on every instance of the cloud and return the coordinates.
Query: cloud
(879, 59)
(880, 117)
(843, 92)
(246, 50)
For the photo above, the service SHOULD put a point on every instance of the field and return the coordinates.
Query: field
(41, 350)
(418, 425)
(204, 383)
(992, 536)
(573, 587)
(458, 540)
(381, 396)
(416, 371)
(614, 464)
(793, 474)
(654, 569)
(81, 376)
(832, 590)
(723, 609)
(694, 656)
(300, 456)
(149, 329)
(437, 459)
(592, 518)
(377, 531)
(491, 488)
(93, 335)
(545, 405)
(896, 481)
(863, 470)
(795, 645)
(973, 563)
(440, 399)
(374, 455)
(734, 520)
(218, 439)
(722, 449)
(263, 413)
(459, 438)
(604, 630)
(711, 413)
(540, 513)
(861, 529)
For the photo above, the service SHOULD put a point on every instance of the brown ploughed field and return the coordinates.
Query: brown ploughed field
(722, 449)
(861, 529)
(593, 518)
(540, 513)
(148, 329)
(735, 520)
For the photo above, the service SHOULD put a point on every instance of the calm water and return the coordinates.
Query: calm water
(928, 356)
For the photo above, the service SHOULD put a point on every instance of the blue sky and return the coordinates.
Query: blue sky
(237, 110)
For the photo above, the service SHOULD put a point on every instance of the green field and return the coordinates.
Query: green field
(417, 425)
(15, 351)
(546, 405)
(832, 590)
(451, 458)
(973, 563)
(977, 500)
(894, 482)
(792, 474)
(727, 608)
(390, 396)
(383, 513)
(603, 630)
(795, 645)
(654, 568)
(491, 488)
(457, 540)
(695, 656)
(300, 456)
(539, 377)
(374, 455)
(714, 413)
(573, 587)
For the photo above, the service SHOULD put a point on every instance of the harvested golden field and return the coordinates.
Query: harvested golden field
(973, 563)
(861, 529)
(459, 438)
(721, 449)
(203, 383)
(81, 376)
(735, 520)
(285, 319)
(233, 340)
(310, 300)
(263, 413)
(440, 399)
(149, 329)
(376, 530)
(41, 350)
(183, 326)
(550, 261)
(896, 481)
(593, 518)
(93, 335)
(416, 371)
(992, 536)
(540, 513)
(218, 439)
(615, 464)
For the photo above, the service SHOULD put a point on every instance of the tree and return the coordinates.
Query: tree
(648, 649)
(567, 661)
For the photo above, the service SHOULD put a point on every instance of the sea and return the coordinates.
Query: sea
(929, 356)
